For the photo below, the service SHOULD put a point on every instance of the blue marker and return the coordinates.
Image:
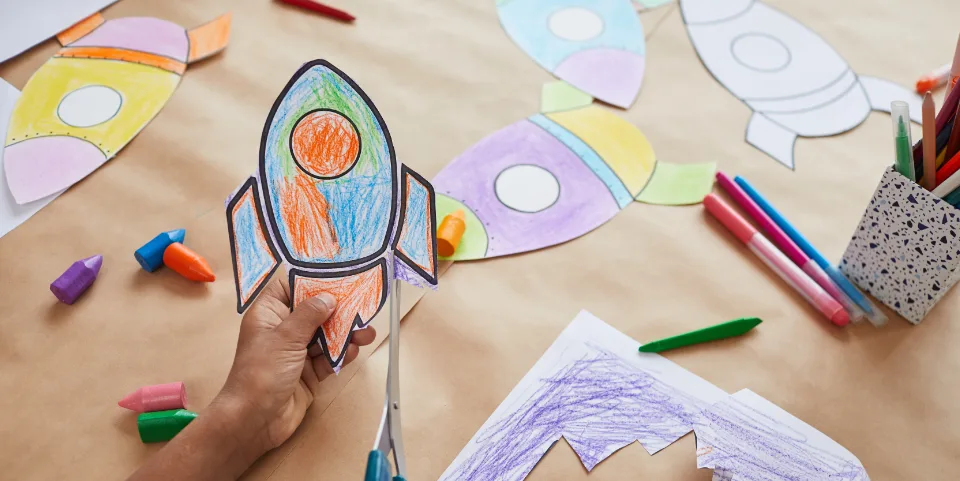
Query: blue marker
(876, 316)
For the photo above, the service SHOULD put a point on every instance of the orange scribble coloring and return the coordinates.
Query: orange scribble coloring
(80, 29)
(209, 38)
(307, 217)
(132, 56)
(359, 294)
(325, 143)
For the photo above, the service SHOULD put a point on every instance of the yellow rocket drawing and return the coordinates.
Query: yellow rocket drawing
(88, 101)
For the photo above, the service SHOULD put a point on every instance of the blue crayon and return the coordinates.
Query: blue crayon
(150, 256)
(876, 316)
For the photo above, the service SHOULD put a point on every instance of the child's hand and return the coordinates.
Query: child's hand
(273, 379)
(268, 390)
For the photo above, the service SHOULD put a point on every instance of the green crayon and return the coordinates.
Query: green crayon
(727, 329)
(162, 426)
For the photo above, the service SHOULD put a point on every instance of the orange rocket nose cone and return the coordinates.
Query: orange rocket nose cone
(42, 166)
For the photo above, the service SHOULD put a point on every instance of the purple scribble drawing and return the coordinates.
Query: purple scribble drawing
(597, 401)
(746, 437)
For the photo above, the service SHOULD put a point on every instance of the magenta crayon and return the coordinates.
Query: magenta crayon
(158, 397)
(76, 279)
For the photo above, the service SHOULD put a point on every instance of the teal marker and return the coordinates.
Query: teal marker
(736, 327)
(876, 316)
(900, 113)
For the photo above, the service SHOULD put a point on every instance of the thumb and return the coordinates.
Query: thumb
(300, 326)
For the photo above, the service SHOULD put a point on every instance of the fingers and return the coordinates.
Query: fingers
(364, 337)
(277, 289)
(299, 327)
(316, 369)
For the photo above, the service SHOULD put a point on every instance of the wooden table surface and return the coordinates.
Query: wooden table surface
(444, 74)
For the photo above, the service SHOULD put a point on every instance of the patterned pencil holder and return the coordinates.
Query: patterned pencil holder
(906, 250)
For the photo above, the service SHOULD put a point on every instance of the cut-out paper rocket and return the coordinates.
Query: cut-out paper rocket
(553, 177)
(793, 80)
(330, 200)
(595, 45)
(93, 97)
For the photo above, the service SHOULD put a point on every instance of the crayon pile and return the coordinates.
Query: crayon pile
(167, 249)
(162, 409)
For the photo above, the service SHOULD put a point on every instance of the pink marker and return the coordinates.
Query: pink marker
(783, 241)
(159, 397)
(775, 260)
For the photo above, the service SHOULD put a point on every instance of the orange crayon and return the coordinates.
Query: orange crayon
(450, 232)
(187, 263)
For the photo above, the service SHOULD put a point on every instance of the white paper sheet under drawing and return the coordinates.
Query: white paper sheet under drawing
(11, 213)
(793, 80)
(593, 388)
(25, 23)
(746, 437)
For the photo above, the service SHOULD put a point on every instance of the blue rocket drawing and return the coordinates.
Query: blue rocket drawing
(330, 201)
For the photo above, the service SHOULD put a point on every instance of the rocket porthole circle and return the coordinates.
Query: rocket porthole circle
(527, 188)
(89, 105)
(576, 24)
(325, 144)
(761, 52)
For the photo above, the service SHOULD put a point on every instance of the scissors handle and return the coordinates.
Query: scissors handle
(378, 468)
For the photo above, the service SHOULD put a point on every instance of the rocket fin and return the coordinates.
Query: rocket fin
(254, 256)
(415, 244)
(771, 138)
(881, 92)
(360, 294)
(80, 29)
(209, 39)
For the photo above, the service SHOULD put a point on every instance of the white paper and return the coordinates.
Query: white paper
(747, 437)
(11, 213)
(25, 23)
(793, 80)
(593, 388)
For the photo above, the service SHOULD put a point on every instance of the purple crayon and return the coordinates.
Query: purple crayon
(76, 279)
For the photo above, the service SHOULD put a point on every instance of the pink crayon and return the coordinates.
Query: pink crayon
(783, 241)
(76, 279)
(159, 397)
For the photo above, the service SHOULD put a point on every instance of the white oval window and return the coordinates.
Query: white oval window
(761, 52)
(527, 188)
(89, 106)
(576, 24)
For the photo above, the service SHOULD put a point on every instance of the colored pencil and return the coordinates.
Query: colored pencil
(929, 142)
(322, 9)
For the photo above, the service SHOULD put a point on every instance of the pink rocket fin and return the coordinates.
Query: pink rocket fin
(209, 39)
(80, 29)
(415, 244)
(255, 258)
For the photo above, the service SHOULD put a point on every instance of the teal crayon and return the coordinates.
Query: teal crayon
(736, 327)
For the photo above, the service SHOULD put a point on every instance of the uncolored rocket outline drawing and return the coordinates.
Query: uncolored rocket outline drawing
(89, 100)
(366, 175)
(779, 118)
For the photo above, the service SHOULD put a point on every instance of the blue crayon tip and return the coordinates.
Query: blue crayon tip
(177, 235)
(150, 255)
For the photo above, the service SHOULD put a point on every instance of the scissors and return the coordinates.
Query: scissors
(390, 438)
